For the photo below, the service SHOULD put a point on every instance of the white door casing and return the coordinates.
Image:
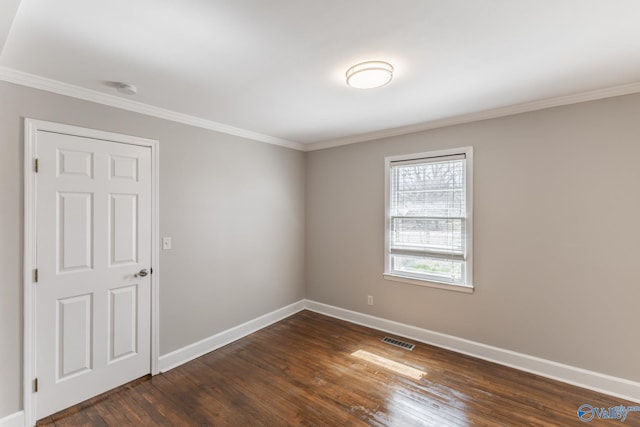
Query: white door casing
(92, 228)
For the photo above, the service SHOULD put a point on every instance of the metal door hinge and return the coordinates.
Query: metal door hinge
(36, 165)
(35, 385)
(35, 275)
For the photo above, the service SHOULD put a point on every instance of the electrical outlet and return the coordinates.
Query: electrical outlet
(369, 299)
(166, 243)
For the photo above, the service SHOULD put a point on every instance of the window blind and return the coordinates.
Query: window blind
(428, 217)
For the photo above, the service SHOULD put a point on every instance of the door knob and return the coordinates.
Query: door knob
(141, 273)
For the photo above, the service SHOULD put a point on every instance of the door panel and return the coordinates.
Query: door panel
(74, 336)
(75, 231)
(93, 228)
(124, 168)
(123, 223)
(75, 163)
(123, 322)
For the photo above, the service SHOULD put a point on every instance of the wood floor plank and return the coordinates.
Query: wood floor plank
(309, 370)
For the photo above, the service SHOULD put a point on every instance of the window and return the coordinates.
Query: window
(429, 219)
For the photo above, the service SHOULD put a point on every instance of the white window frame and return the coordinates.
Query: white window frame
(389, 273)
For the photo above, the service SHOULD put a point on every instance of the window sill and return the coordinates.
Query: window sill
(429, 283)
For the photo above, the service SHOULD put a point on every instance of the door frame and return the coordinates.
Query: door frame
(31, 129)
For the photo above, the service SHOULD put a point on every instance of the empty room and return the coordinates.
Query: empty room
(320, 213)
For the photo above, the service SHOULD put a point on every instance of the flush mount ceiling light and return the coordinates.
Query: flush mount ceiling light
(370, 74)
(126, 88)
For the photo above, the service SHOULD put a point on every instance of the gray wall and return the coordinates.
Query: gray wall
(556, 218)
(556, 230)
(234, 208)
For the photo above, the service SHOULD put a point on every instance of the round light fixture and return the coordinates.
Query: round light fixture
(126, 88)
(370, 74)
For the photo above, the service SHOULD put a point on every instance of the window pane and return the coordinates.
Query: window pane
(428, 217)
(442, 235)
(435, 189)
(441, 269)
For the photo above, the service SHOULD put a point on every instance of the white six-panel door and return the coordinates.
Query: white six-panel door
(93, 239)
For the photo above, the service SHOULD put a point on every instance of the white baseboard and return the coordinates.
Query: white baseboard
(602, 383)
(13, 420)
(192, 351)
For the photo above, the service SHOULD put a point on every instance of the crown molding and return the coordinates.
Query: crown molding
(592, 95)
(37, 82)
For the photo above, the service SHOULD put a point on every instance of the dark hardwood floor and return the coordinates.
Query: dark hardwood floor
(303, 371)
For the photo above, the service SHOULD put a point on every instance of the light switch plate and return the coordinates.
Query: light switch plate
(166, 243)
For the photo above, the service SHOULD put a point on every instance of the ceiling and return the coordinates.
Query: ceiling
(275, 68)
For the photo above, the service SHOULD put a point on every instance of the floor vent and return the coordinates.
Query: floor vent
(398, 343)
